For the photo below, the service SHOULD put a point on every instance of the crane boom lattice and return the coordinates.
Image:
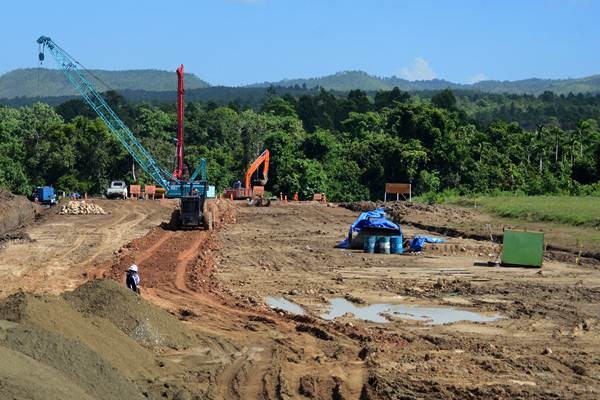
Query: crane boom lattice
(73, 72)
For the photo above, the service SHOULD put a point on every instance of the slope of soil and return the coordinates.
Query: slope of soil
(15, 212)
(141, 320)
(42, 333)
(57, 316)
(78, 363)
(23, 378)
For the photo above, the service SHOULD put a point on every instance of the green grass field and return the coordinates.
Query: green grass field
(581, 211)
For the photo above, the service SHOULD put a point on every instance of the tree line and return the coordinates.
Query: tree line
(347, 146)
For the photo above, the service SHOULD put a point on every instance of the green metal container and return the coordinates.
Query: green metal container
(523, 248)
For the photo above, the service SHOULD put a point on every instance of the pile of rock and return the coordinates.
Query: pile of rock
(81, 207)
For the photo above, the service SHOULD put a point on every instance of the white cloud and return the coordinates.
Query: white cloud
(477, 78)
(418, 70)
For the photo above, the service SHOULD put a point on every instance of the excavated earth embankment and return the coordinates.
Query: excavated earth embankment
(97, 342)
(15, 212)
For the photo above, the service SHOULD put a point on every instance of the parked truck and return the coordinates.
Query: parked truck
(117, 189)
(45, 195)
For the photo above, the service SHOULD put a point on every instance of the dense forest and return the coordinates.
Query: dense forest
(347, 145)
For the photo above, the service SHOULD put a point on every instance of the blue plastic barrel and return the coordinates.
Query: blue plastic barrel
(369, 244)
(383, 244)
(396, 246)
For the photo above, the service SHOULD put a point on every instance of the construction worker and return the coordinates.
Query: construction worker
(133, 279)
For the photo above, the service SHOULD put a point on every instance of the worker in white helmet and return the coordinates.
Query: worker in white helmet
(133, 279)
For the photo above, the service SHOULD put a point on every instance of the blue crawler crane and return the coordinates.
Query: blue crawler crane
(191, 191)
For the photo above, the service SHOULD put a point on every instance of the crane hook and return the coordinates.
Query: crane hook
(41, 53)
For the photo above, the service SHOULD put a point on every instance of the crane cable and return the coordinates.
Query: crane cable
(108, 87)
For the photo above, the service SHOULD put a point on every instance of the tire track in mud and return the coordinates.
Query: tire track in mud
(261, 357)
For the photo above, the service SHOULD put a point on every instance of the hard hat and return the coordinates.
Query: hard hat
(133, 268)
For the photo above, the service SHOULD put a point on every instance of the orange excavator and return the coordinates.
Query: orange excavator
(253, 189)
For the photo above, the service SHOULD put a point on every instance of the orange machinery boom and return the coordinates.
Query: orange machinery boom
(263, 158)
(249, 190)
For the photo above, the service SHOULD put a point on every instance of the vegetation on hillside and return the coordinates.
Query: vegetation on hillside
(24, 86)
(346, 146)
(350, 80)
(42, 82)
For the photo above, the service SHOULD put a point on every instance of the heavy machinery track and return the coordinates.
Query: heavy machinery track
(262, 359)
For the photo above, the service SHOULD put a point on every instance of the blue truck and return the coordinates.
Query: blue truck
(45, 195)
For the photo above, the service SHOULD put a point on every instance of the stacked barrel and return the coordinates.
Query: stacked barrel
(383, 244)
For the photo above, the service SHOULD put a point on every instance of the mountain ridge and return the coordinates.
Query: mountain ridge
(41, 82)
(347, 80)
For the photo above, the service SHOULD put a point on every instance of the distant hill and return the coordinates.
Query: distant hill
(41, 82)
(348, 80)
(25, 86)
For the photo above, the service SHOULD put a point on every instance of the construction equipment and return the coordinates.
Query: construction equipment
(253, 189)
(178, 171)
(45, 195)
(76, 74)
(173, 183)
(193, 212)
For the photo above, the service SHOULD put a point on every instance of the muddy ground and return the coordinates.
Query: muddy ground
(56, 253)
(562, 240)
(218, 339)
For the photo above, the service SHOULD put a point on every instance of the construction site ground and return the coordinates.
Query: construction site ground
(218, 338)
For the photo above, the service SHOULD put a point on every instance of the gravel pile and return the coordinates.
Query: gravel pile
(81, 207)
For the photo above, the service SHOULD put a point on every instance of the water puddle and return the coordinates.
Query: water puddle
(283, 304)
(430, 315)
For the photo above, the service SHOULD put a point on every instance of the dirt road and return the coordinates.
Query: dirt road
(64, 247)
(546, 344)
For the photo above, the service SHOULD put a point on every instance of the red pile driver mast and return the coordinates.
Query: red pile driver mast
(178, 172)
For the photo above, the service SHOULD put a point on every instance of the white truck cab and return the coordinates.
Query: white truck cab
(117, 189)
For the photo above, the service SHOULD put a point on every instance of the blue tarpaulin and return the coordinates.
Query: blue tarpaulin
(368, 219)
(418, 242)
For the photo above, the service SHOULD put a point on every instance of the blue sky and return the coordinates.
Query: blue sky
(233, 42)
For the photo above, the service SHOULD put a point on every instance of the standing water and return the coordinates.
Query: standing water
(430, 315)
(283, 304)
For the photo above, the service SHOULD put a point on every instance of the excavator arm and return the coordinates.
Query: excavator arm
(264, 160)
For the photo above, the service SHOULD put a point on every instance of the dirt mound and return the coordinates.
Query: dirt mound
(138, 318)
(405, 211)
(22, 377)
(77, 362)
(15, 211)
(401, 211)
(85, 354)
(362, 205)
(56, 315)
